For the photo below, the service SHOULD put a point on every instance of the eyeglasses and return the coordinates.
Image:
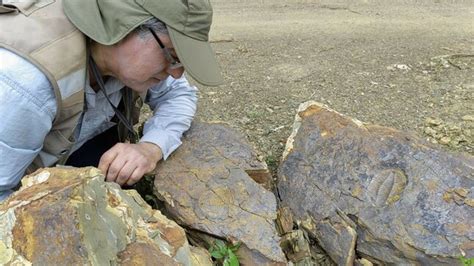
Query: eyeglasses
(174, 62)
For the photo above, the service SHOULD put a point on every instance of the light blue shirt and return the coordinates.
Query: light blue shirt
(28, 107)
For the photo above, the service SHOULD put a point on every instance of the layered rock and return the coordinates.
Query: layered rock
(207, 187)
(375, 192)
(70, 216)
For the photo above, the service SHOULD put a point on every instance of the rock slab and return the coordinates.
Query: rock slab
(70, 216)
(206, 187)
(375, 192)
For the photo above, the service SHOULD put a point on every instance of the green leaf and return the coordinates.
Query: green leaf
(220, 243)
(233, 260)
(216, 254)
(222, 247)
(235, 247)
(211, 249)
(467, 261)
(226, 262)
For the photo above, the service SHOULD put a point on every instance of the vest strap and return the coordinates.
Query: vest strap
(6, 9)
(98, 77)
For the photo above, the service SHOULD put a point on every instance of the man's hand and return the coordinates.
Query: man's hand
(126, 163)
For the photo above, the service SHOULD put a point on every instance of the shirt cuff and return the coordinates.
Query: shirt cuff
(166, 141)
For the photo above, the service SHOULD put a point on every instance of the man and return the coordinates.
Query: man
(69, 70)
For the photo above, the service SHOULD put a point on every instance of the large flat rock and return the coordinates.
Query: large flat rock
(206, 187)
(70, 216)
(376, 192)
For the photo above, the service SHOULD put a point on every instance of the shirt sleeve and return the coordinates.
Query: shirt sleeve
(173, 102)
(27, 109)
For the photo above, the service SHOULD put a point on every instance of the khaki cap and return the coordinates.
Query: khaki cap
(188, 22)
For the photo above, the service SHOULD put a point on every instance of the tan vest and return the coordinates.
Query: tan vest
(39, 31)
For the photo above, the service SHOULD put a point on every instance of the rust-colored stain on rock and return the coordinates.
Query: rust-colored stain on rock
(172, 234)
(112, 199)
(46, 231)
(311, 110)
(469, 202)
(461, 228)
(141, 253)
(458, 195)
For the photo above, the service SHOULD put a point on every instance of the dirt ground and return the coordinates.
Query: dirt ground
(403, 64)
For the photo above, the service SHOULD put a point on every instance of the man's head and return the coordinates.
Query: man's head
(141, 59)
(111, 22)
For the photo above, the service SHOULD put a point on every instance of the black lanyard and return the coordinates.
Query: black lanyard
(121, 117)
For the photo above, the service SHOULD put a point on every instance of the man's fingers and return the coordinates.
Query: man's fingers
(127, 163)
(136, 176)
(106, 159)
(125, 173)
(115, 168)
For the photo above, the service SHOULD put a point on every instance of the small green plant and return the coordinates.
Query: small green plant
(467, 261)
(271, 160)
(224, 254)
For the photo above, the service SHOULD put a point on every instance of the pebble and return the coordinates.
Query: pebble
(468, 118)
(429, 131)
(445, 140)
(433, 121)
(468, 86)
(402, 67)
(245, 120)
(454, 129)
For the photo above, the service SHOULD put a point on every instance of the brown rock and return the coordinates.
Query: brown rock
(248, 257)
(363, 262)
(200, 257)
(389, 194)
(206, 187)
(296, 246)
(284, 220)
(70, 216)
(144, 254)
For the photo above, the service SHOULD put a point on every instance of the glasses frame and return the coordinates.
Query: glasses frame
(173, 61)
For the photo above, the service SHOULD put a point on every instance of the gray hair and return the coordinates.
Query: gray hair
(155, 24)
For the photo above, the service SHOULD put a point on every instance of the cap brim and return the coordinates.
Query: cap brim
(197, 58)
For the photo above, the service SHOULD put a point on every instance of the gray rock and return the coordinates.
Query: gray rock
(205, 187)
(377, 192)
(231, 145)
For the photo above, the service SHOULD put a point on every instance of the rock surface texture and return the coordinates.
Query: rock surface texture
(206, 187)
(375, 192)
(70, 216)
